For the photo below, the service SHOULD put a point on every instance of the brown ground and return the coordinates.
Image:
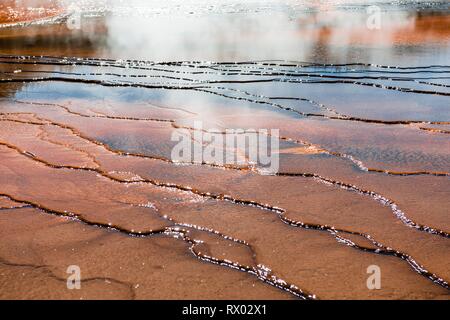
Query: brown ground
(12, 11)
(62, 190)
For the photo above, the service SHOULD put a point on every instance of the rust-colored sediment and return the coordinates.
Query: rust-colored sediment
(12, 11)
(67, 174)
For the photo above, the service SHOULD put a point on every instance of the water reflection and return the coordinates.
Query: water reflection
(196, 31)
(329, 32)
